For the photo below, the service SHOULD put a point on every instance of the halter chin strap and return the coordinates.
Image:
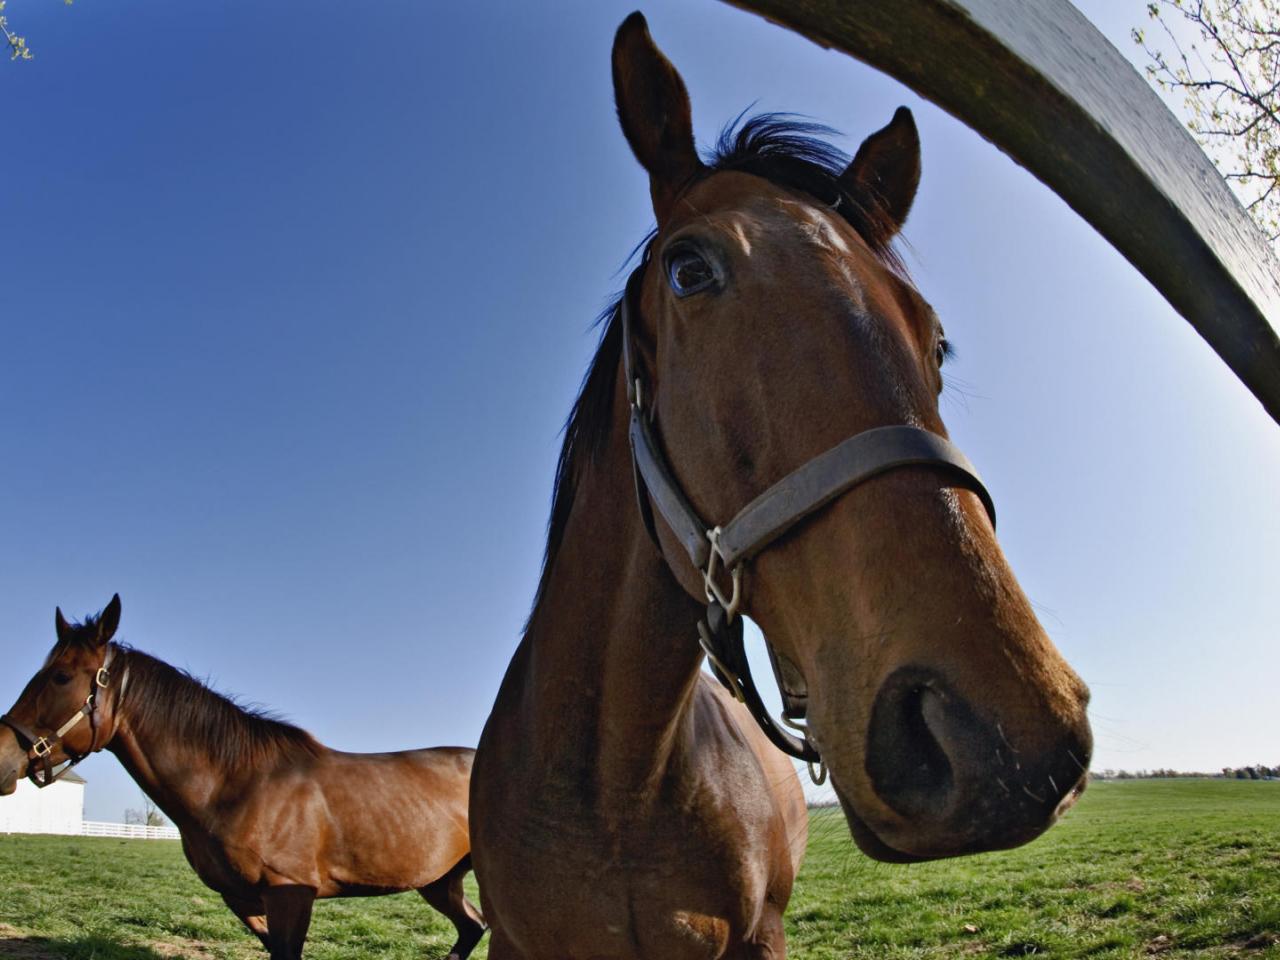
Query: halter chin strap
(722, 550)
(40, 769)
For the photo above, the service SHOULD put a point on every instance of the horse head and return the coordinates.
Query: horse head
(773, 321)
(59, 717)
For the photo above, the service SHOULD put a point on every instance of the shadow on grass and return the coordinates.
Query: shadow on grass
(77, 948)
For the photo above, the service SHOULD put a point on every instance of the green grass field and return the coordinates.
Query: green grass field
(1173, 868)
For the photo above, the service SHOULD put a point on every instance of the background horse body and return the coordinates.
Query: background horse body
(270, 818)
(621, 805)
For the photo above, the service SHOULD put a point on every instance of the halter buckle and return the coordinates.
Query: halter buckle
(102, 678)
(714, 593)
(41, 748)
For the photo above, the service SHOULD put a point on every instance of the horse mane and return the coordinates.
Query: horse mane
(781, 148)
(159, 696)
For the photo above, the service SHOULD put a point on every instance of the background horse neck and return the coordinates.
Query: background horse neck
(185, 744)
(611, 617)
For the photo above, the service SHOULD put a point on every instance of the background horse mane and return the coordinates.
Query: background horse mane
(159, 696)
(780, 148)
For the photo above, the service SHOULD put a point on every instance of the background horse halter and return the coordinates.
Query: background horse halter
(797, 496)
(40, 770)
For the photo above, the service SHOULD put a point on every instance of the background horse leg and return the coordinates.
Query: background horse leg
(288, 917)
(251, 915)
(446, 896)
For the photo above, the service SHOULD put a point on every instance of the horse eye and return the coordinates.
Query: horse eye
(688, 272)
(943, 350)
(61, 679)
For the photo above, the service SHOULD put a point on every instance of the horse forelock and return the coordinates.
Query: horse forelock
(82, 634)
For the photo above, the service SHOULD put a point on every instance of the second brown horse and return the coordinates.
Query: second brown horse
(270, 818)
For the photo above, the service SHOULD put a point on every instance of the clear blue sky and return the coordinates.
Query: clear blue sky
(295, 300)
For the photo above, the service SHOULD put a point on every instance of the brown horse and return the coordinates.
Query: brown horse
(622, 806)
(270, 818)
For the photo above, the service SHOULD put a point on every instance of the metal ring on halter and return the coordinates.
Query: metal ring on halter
(714, 593)
(820, 777)
(709, 649)
(795, 725)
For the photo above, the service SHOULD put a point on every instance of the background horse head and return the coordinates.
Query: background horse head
(62, 715)
(774, 322)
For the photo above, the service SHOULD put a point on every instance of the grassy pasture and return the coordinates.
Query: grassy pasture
(1167, 868)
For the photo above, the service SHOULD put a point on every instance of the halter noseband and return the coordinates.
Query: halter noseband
(728, 547)
(40, 769)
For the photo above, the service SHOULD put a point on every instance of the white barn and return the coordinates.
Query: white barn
(58, 808)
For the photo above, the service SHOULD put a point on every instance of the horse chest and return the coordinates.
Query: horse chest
(218, 867)
(669, 886)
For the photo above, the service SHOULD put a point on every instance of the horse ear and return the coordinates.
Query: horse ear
(60, 624)
(653, 109)
(886, 171)
(109, 620)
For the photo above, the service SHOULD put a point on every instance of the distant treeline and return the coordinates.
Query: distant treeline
(1258, 772)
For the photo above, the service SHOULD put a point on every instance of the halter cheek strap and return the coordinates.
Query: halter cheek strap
(40, 769)
(717, 551)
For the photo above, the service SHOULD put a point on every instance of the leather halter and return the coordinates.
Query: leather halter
(795, 497)
(40, 769)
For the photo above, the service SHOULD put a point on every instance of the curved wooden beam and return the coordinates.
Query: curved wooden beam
(1040, 82)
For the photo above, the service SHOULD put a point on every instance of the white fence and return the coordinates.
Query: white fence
(135, 831)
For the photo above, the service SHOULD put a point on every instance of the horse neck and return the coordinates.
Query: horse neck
(612, 648)
(180, 775)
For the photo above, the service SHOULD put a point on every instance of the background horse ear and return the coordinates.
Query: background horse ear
(60, 624)
(109, 620)
(653, 108)
(886, 172)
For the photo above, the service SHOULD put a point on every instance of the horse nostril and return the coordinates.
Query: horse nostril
(932, 759)
(906, 759)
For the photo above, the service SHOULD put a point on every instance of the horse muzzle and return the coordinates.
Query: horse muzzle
(939, 779)
(13, 762)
